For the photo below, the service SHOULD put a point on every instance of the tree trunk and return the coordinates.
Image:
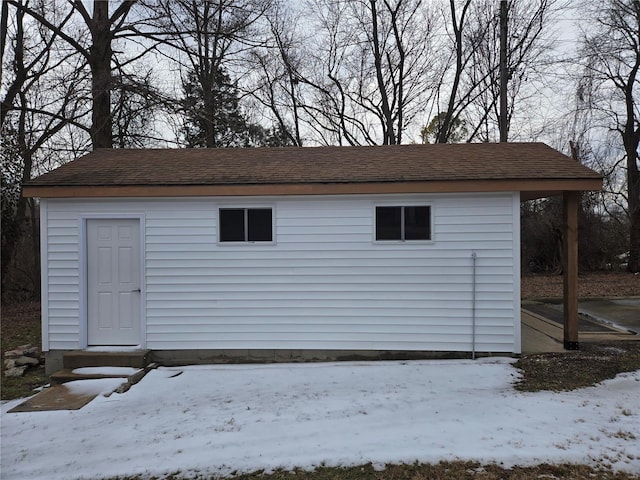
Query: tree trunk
(387, 119)
(633, 184)
(631, 141)
(634, 247)
(100, 64)
(445, 128)
(4, 20)
(18, 64)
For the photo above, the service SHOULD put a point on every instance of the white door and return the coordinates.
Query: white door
(113, 282)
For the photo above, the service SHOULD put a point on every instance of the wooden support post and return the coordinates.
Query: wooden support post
(570, 268)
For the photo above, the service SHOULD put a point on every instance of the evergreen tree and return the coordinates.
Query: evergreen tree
(213, 117)
(458, 130)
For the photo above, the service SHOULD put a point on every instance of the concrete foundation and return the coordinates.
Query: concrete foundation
(53, 361)
(194, 357)
(55, 358)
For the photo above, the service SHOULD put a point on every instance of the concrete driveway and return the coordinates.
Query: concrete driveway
(600, 320)
(623, 313)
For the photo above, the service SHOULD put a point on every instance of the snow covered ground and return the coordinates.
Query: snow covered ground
(219, 419)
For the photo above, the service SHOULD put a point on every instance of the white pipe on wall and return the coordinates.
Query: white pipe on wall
(474, 257)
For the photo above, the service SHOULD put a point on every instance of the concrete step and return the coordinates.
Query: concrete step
(131, 377)
(68, 375)
(81, 358)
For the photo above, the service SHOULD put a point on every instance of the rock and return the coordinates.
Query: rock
(19, 359)
(26, 361)
(15, 371)
(22, 351)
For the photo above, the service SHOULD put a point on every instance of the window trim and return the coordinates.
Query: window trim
(245, 208)
(402, 204)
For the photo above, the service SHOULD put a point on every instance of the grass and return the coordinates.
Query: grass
(441, 471)
(20, 387)
(21, 326)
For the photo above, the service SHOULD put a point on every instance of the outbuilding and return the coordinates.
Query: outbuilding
(296, 253)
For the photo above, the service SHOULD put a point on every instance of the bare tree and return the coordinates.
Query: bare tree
(462, 57)
(203, 38)
(43, 97)
(21, 72)
(135, 100)
(276, 85)
(103, 30)
(371, 69)
(471, 90)
(611, 49)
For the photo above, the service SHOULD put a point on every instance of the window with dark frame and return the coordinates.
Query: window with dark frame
(402, 223)
(246, 225)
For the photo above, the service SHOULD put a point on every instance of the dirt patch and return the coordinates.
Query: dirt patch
(570, 370)
(592, 285)
(20, 325)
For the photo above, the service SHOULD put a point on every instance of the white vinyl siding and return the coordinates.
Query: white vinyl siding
(324, 282)
(61, 269)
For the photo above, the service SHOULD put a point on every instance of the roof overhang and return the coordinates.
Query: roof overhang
(530, 189)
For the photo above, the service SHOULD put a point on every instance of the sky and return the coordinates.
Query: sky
(218, 419)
